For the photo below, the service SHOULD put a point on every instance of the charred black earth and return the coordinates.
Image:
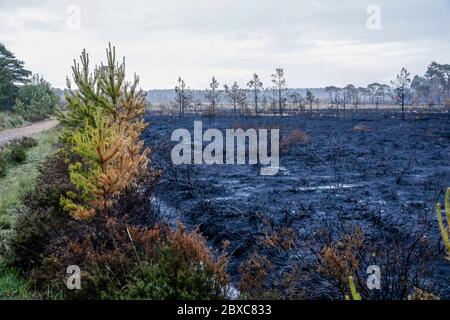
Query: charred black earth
(379, 173)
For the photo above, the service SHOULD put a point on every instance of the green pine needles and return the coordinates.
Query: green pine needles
(354, 294)
(102, 127)
(445, 231)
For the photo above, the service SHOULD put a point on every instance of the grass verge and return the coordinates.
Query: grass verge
(13, 286)
(10, 120)
(19, 180)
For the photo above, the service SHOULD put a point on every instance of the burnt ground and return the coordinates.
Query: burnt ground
(385, 178)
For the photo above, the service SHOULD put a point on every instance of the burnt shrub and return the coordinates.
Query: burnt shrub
(340, 260)
(403, 258)
(254, 277)
(294, 138)
(419, 294)
(335, 252)
(128, 262)
(133, 204)
(177, 266)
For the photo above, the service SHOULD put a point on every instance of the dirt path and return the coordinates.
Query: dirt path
(11, 134)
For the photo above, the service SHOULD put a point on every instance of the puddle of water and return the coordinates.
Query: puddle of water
(233, 292)
(235, 196)
(282, 171)
(169, 213)
(329, 187)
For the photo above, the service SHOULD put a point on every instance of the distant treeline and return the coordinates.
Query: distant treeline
(164, 96)
(433, 88)
(33, 98)
(29, 97)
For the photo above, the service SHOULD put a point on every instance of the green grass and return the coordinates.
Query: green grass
(10, 120)
(20, 179)
(13, 286)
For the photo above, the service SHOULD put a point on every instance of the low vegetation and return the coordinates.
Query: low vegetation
(13, 285)
(36, 100)
(295, 137)
(15, 182)
(9, 120)
(18, 168)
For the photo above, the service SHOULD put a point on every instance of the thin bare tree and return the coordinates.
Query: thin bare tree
(183, 96)
(280, 85)
(255, 85)
(310, 99)
(297, 101)
(212, 94)
(401, 88)
(235, 94)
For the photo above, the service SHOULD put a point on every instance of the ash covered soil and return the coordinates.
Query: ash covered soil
(383, 175)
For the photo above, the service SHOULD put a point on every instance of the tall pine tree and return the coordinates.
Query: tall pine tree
(12, 74)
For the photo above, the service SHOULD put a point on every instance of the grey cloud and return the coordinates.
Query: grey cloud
(235, 37)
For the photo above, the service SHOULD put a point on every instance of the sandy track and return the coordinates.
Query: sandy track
(26, 131)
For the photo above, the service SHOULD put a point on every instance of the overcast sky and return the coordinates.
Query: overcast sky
(318, 42)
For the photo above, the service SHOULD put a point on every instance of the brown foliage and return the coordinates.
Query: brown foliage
(261, 275)
(254, 274)
(107, 253)
(341, 259)
(419, 294)
(295, 137)
(277, 237)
